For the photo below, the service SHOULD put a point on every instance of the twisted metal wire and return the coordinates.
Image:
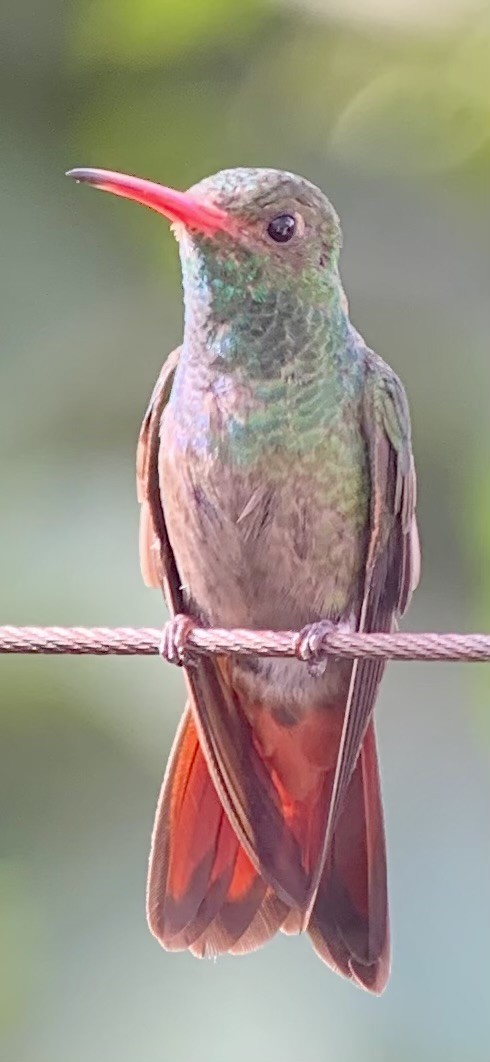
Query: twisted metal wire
(145, 641)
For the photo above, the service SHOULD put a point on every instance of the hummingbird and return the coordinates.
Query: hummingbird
(277, 489)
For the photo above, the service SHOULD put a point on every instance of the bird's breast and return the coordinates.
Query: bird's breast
(267, 531)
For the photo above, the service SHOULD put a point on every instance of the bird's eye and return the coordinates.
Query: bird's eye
(282, 228)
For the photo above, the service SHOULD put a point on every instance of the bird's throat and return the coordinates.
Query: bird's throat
(240, 315)
(275, 353)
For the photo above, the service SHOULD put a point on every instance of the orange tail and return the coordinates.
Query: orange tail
(203, 892)
(349, 925)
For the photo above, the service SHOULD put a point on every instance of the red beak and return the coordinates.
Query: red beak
(176, 206)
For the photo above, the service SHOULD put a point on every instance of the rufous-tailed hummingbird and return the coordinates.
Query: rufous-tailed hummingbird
(277, 490)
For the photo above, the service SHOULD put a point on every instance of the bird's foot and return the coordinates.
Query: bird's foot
(173, 646)
(310, 643)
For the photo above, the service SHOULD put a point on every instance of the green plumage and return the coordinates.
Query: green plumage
(269, 388)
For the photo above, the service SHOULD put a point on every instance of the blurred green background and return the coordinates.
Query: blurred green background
(385, 104)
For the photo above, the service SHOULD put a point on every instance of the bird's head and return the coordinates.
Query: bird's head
(279, 220)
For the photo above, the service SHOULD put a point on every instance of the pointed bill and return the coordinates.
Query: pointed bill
(174, 205)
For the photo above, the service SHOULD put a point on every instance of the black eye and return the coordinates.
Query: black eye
(282, 228)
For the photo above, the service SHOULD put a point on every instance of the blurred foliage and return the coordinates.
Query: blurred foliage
(106, 31)
(386, 104)
(21, 943)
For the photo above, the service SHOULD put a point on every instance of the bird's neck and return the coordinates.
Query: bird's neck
(238, 319)
(281, 359)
